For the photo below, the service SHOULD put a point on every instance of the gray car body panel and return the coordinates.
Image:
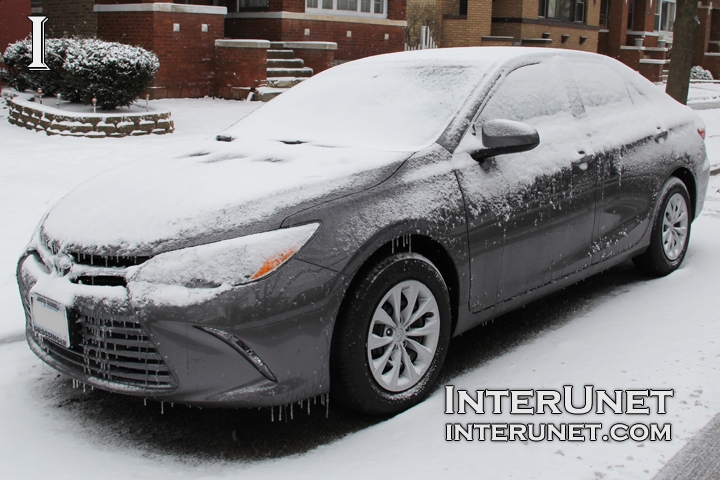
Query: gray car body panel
(415, 203)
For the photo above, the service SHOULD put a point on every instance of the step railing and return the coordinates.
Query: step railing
(426, 41)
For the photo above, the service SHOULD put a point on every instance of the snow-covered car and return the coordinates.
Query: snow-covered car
(336, 239)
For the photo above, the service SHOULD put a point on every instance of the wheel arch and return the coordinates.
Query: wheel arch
(687, 177)
(424, 245)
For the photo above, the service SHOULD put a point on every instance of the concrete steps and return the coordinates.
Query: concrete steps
(283, 71)
(284, 82)
(280, 53)
(289, 72)
(285, 63)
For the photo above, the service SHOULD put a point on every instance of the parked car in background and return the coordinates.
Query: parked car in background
(336, 239)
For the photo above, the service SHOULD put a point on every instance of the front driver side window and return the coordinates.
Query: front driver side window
(528, 94)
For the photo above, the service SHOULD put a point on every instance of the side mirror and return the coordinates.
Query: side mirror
(500, 137)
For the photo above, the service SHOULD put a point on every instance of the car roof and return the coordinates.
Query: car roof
(494, 55)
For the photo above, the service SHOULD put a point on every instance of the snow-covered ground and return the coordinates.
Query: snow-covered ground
(634, 333)
(701, 92)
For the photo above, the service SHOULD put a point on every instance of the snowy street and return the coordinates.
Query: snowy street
(616, 330)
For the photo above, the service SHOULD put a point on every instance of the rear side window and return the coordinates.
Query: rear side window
(599, 85)
(528, 93)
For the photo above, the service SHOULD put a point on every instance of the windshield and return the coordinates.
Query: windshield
(399, 102)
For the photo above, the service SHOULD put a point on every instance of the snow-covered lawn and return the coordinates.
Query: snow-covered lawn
(640, 334)
(702, 92)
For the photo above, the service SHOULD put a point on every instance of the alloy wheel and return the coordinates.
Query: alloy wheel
(675, 226)
(403, 336)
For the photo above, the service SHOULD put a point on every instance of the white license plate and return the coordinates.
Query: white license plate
(49, 319)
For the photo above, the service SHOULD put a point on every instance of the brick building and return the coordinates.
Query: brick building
(553, 23)
(639, 33)
(67, 17)
(359, 27)
(631, 33)
(213, 47)
(14, 24)
(229, 47)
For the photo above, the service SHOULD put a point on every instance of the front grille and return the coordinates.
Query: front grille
(107, 261)
(114, 348)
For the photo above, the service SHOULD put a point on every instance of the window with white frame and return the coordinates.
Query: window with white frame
(664, 15)
(360, 8)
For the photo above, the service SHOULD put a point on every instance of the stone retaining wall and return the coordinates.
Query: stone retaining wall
(39, 117)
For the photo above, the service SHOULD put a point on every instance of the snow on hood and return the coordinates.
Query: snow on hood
(223, 190)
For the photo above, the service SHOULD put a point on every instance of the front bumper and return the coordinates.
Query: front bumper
(260, 344)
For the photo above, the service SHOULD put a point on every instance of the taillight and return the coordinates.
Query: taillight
(701, 132)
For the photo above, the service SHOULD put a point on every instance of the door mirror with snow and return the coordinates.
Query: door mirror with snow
(500, 137)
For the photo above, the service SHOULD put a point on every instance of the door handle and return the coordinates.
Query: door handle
(662, 135)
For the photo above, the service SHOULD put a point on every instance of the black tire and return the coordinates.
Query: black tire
(656, 261)
(354, 382)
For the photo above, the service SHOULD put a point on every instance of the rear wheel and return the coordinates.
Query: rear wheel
(671, 232)
(391, 336)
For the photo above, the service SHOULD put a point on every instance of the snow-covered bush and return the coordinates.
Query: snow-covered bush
(18, 57)
(113, 73)
(699, 73)
(82, 69)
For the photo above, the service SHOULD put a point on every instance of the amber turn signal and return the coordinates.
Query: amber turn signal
(273, 262)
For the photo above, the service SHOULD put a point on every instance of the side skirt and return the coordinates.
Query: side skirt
(468, 320)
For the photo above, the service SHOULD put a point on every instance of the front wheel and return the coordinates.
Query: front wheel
(391, 336)
(670, 232)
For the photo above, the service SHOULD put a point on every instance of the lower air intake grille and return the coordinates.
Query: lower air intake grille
(114, 348)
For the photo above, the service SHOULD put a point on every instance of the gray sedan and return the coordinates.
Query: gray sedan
(336, 239)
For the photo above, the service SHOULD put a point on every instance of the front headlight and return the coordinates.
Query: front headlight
(229, 262)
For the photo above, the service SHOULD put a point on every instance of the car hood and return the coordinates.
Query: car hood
(222, 190)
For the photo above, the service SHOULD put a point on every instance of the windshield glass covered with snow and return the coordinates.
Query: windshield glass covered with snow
(397, 102)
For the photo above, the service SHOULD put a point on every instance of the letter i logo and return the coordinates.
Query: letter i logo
(38, 44)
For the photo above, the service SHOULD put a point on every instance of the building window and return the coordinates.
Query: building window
(463, 7)
(664, 15)
(359, 8)
(605, 13)
(251, 4)
(568, 10)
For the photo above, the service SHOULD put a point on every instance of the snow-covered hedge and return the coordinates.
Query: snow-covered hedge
(18, 57)
(699, 73)
(82, 69)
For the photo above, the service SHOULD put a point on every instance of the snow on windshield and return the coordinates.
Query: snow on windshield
(391, 102)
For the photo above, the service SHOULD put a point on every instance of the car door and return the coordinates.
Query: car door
(525, 222)
(622, 135)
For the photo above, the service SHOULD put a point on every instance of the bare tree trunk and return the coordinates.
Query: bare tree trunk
(686, 23)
